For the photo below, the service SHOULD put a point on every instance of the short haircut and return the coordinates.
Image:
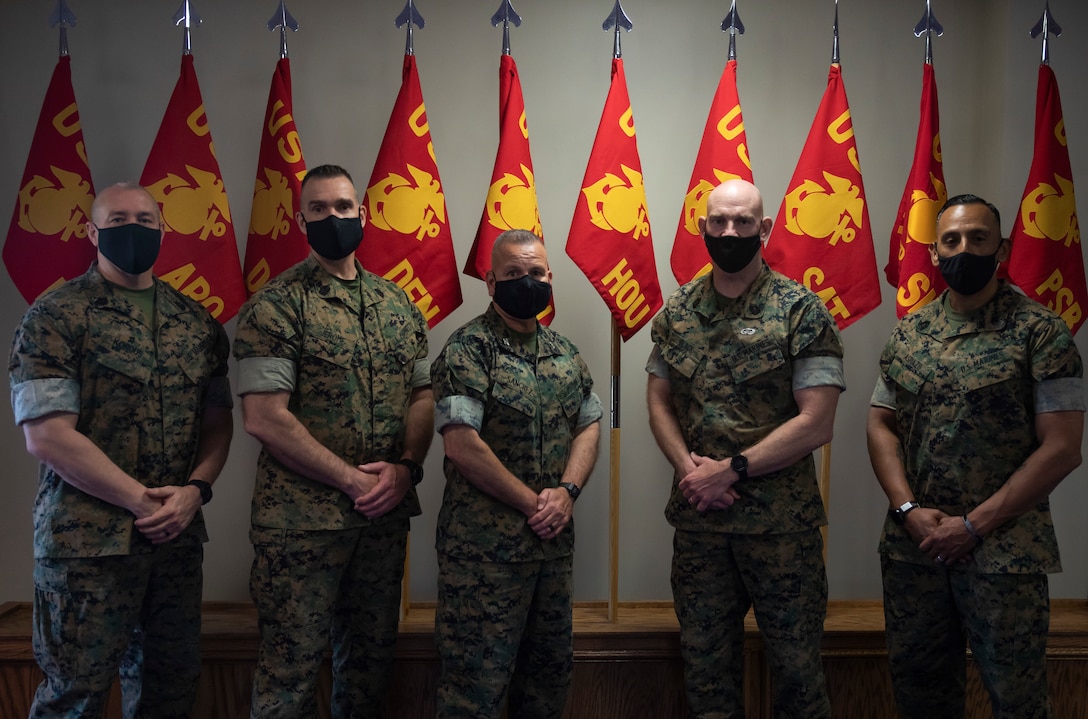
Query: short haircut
(515, 238)
(971, 200)
(322, 172)
(126, 185)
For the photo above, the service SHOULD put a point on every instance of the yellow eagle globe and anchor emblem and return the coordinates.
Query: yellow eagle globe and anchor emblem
(56, 208)
(409, 207)
(618, 205)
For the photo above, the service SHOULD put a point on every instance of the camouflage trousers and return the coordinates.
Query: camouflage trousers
(313, 588)
(930, 613)
(500, 625)
(138, 615)
(716, 578)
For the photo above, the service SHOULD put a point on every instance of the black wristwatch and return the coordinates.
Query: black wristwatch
(414, 468)
(572, 489)
(204, 487)
(899, 514)
(739, 464)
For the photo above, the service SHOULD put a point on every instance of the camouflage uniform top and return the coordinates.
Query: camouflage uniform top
(965, 400)
(350, 372)
(526, 408)
(140, 395)
(732, 373)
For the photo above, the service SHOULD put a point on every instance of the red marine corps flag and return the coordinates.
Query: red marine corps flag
(511, 199)
(822, 237)
(910, 268)
(47, 240)
(609, 237)
(723, 155)
(407, 238)
(199, 254)
(275, 240)
(1047, 261)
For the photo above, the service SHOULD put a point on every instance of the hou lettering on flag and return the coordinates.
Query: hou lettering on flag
(609, 237)
(723, 155)
(408, 239)
(910, 267)
(199, 254)
(511, 202)
(47, 241)
(1047, 261)
(275, 240)
(821, 237)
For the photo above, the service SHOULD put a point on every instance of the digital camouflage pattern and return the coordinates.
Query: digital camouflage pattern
(517, 634)
(310, 586)
(501, 588)
(84, 348)
(354, 368)
(730, 373)
(87, 624)
(718, 577)
(964, 400)
(1006, 617)
(533, 404)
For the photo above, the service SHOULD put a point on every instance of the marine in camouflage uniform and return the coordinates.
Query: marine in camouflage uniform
(334, 380)
(746, 365)
(514, 403)
(120, 385)
(977, 414)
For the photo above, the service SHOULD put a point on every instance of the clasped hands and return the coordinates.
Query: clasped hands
(708, 483)
(943, 537)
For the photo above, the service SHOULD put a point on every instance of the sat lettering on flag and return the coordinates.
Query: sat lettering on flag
(610, 238)
(199, 255)
(822, 236)
(47, 241)
(1047, 261)
(275, 240)
(408, 239)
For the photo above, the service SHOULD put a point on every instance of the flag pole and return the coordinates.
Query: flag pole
(616, 19)
(732, 25)
(1046, 27)
(64, 18)
(186, 17)
(927, 26)
(408, 16)
(506, 15)
(283, 21)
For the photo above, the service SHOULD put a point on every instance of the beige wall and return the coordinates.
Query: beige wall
(346, 67)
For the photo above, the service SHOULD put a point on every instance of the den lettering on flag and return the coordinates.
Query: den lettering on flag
(511, 202)
(609, 236)
(1047, 262)
(910, 267)
(723, 155)
(275, 241)
(47, 241)
(199, 255)
(821, 237)
(407, 238)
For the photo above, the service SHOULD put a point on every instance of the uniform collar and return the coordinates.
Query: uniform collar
(752, 301)
(509, 339)
(991, 317)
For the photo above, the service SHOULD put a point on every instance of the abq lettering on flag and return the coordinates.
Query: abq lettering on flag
(723, 155)
(822, 236)
(1047, 260)
(511, 202)
(408, 239)
(199, 254)
(275, 241)
(609, 236)
(910, 267)
(47, 241)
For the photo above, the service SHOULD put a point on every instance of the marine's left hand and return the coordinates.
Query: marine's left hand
(394, 481)
(710, 484)
(179, 505)
(949, 542)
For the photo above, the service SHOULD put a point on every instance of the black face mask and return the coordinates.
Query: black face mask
(731, 253)
(967, 274)
(334, 238)
(523, 298)
(133, 248)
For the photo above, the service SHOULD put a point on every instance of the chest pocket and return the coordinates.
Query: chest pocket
(516, 390)
(907, 377)
(757, 360)
(337, 351)
(682, 356)
(111, 364)
(996, 370)
(571, 402)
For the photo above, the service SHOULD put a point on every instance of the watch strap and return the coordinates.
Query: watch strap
(204, 487)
